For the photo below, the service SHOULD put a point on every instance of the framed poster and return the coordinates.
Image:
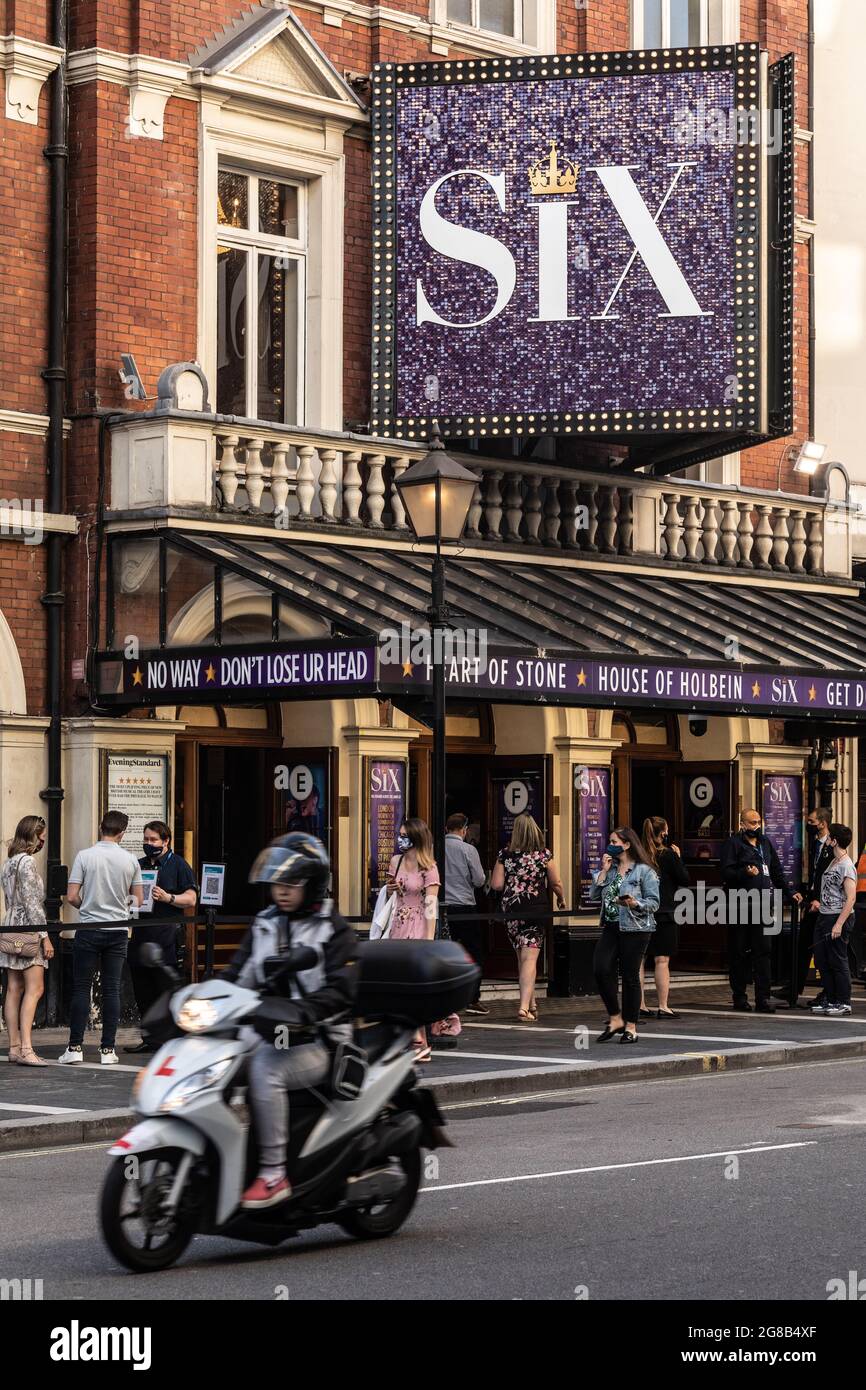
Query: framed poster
(137, 784)
(781, 803)
(515, 794)
(527, 273)
(704, 813)
(591, 819)
(384, 809)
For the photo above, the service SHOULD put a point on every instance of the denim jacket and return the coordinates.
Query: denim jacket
(641, 883)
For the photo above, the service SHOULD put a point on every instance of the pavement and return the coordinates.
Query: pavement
(497, 1058)
(736, 1186)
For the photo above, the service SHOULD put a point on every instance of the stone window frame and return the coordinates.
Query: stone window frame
(288, 149)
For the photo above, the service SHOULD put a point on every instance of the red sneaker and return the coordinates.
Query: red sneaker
(267, 1192)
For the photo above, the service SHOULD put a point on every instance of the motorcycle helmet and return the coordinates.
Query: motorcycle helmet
(295, 858)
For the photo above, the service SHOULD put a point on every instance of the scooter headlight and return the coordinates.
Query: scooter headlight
(185, 1091)
(197, 1015)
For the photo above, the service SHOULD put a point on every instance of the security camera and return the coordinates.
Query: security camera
(697, 727)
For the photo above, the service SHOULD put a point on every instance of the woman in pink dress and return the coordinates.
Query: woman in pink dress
(414, 877)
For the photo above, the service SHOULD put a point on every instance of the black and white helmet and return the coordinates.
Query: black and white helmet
(295, 858)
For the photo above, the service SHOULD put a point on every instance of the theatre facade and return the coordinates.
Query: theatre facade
(651, 611)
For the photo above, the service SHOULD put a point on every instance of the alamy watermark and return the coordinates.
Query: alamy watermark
(716, 907)
(703, 124)
(22, 517)
(463, 648)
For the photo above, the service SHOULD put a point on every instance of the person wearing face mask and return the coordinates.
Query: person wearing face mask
(24, 917)
(628, 884)
(673, 875)
(820, 859)
(174, 890)
(834, 922)
(749, 861)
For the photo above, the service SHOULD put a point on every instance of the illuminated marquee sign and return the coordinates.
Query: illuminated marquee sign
(576, 244)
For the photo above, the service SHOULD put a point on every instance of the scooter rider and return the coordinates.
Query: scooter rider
(293, 1054)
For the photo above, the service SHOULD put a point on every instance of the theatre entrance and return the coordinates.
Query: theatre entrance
(490, 789)
(227, 803)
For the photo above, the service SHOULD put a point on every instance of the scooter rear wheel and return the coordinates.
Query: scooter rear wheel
(373, 1223)
(136, 1230)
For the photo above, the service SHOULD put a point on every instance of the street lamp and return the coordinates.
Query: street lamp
(437, 493)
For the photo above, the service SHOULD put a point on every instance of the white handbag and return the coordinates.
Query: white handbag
(380, 926)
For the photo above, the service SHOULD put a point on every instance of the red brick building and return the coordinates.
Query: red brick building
(218, 194)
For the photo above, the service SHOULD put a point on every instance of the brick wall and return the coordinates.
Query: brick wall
(133, 254)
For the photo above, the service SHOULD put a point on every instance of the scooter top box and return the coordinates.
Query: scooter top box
(418, 980)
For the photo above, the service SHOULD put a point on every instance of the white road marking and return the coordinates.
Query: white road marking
(648, 1033)
(92, 1066)
(615, 1167)
(47, 1109)
(789, 1015)
(104, 1144)
(512, 1057)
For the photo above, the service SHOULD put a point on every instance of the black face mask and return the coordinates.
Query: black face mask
(153, 851)
(753, 834)
(615, 851)
(665, 839)
(811, 830)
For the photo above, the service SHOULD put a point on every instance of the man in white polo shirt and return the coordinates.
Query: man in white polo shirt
(103, 880)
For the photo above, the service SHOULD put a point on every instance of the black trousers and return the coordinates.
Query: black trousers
(804, 949)
(148, 983)
(831, 958)
(749, 956)
(620, 952)
(469, 934)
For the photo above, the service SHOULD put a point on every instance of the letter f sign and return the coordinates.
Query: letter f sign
(649, 243)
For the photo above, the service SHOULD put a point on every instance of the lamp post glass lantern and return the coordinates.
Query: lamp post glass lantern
(437, 494)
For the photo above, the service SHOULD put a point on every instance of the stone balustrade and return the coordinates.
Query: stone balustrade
(297, 476)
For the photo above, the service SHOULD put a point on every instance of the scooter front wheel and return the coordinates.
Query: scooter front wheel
(373, 1223)
(137, 1227)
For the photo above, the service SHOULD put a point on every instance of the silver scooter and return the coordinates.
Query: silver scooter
(355, 1146)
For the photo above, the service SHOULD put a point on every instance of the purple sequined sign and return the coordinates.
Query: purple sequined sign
(566, 253)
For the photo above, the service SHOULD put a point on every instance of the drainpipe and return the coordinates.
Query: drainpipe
(56, 153)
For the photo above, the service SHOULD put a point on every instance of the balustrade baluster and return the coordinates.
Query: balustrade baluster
(493, 506)
(763, 536)
(398, 511)
(473, 521)
(815, 549)
(568, 491)
(745, 535)
(375, 491)
(254, 473)
(513, 505)
(532, 508)
(227, 468)
(590, 492)
(691, 529)
(729, 536)
(710, 530)
(781, 539)
(625, 524)
(551, 512)
(352, 487)
(673, 526)
(798, 541)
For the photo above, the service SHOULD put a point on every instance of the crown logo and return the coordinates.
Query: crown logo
(549, 176)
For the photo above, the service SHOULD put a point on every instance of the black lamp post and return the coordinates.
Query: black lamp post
(437, 493)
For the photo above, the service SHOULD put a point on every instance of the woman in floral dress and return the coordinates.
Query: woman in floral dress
(24, 896)
(526, 875)
(414, 876)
